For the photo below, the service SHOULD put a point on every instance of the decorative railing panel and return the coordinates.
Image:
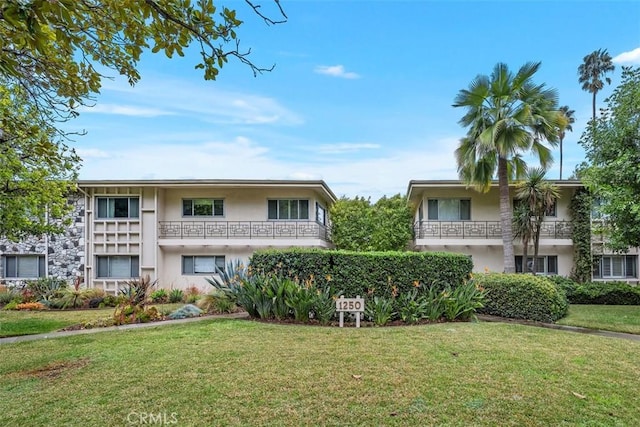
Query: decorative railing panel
(483, 230)
(243, 230)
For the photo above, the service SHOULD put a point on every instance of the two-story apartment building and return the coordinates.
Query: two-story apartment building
(176, 231)
(449, 216)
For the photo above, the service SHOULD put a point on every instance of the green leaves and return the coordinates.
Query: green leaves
(613, 154)
(358, 225)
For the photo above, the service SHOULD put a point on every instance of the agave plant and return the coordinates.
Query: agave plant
(230, 279)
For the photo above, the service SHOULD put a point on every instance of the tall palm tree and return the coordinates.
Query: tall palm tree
(595, 66)
(568, 120)
(538, 195)
(507, 115)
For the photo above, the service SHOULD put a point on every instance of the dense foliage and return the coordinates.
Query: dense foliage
(522, 296)
(580, 211)
(366, 273)
(612, 147)
(609, 293)
(37, 169)
(359, 225)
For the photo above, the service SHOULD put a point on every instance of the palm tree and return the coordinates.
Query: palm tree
(523, 228)
(538, 195)
(507, 115)
(590, 73)
(568, 119)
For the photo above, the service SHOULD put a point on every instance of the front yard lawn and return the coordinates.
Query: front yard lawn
(14, 323)
(618, 318)
(238, 372)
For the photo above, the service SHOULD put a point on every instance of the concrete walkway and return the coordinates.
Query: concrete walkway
(575, 329)
(49, 335)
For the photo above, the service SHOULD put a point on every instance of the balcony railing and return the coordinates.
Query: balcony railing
(483, 230)
(243, 230)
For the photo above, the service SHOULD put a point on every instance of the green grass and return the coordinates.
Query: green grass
(234, 372)
(618, 318)
(13, 323)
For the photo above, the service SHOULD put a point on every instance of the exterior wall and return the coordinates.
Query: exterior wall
(160, 253)
(64, 254)
(480, 237)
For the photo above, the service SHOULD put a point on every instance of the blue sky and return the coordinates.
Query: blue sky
(360, 95)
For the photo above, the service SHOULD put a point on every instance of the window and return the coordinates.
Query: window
(321, 214)
(202, 264)
(117, 266)
(596, 208)
(118, 207)
(288, 209)
(544, 265)
(24, 266)
(552, 210)
(449, 209)
(616, 267)
(202, 207)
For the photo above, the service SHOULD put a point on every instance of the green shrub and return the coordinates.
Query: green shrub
(176, 295)
(522, 296)
(9, 295)
(462, 302)
(365, 273)
(159, 296)
(324, 306)
(379, 310)
(11, 305)
(609, 293)
(46, 288)
(411, 307)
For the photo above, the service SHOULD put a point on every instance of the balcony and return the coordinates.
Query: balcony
(483, 230)
(243, 230)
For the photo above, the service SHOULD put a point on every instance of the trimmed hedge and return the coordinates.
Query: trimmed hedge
(607, 293)
(366, 273)
(522, 296)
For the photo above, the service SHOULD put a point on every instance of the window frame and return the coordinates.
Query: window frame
(278, 205)
(133, 266)
(320, 208)
(41, 266)
(213, 207)
(430, 216)
(129, 216)
(545, 264)
(218, 260)
(626, 260)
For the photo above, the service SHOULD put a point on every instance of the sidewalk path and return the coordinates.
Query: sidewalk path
(49, 335)
(576, 329)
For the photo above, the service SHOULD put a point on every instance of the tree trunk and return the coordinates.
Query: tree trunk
(594, 108)
(525, 254)
(506, 217)
(561, 138)
(536, 244)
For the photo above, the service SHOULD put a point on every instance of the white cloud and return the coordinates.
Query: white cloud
(336, 71)
(202, 100)
(631, 57)
(342, 148)
(385, 174)
(124, 110)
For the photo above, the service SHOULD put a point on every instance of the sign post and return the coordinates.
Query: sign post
(351, 305)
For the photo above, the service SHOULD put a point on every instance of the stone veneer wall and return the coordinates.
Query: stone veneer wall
(64, 253)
